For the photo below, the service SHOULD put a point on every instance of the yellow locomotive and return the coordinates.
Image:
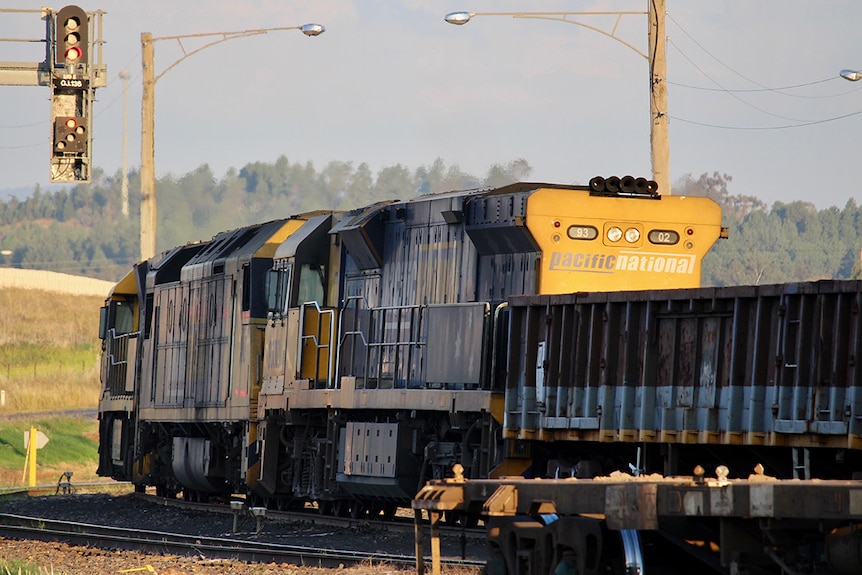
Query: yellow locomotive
(348, 357)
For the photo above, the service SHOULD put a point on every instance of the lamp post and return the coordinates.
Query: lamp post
(148, 177)
(655, 57)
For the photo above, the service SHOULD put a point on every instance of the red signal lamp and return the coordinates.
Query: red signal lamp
(73, 54)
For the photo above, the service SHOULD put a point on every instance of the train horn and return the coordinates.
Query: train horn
(597, 184)
(624, 185)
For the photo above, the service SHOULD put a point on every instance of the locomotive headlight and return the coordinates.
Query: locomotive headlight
(632, 235)
(614, 234)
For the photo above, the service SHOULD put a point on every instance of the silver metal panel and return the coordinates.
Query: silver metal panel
(455, 338)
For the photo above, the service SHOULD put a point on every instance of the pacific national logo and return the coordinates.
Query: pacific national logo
(647, 262)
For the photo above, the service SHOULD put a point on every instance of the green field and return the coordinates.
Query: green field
(49, 363)
(72, 446)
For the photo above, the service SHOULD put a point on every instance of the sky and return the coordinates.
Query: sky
(753, 90)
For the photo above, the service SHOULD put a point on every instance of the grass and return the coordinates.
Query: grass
(72, 446)
(49, 362)
(15, 567)
(49, 351)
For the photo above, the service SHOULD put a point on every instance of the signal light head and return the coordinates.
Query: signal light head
(71, 37)
(70, 135)
(73, 54)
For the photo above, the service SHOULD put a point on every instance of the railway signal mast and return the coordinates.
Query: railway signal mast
(71, 97)
(73, 71)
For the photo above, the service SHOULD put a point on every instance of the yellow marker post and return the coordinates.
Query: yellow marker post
(32, 441)
(31, 454)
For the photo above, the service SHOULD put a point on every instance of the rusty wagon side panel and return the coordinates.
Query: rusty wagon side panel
(759, 366)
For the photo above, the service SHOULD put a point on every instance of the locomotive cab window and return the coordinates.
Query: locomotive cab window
(277, 290)
(311, 278)
(119, 316)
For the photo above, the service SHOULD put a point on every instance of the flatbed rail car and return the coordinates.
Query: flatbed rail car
(664, 380)
(622, 524)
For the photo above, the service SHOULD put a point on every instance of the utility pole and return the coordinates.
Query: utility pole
(148, 172)
(659, 140)
(655, 57)
(148, 179)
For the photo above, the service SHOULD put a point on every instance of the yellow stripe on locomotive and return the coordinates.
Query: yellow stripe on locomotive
(616, 242)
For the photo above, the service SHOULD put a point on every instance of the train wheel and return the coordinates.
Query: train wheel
(389, 510)
(374, 510)
(341, 508)
(324, 507)
(195, 496)
(253, 500)
(164, 491)
(357, 510)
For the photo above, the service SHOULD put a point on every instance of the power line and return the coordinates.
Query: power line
(728, 92)
(23, 146)
(761, 87)
(784, 127)
(776, 90)
(797, 123)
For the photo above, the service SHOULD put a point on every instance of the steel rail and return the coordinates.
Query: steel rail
(23, 527)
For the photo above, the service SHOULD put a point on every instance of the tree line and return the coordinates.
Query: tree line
(82, 229)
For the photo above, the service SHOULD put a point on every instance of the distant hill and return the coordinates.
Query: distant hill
(53, 282)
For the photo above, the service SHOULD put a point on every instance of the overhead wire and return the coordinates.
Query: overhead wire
(776, 90)
(797, 122)
(760, 87)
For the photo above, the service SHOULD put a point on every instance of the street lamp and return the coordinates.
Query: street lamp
(852, 75)
(655, 57)
(148, 172)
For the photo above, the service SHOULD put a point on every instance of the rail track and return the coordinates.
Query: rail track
(246, 544)
(399, 523)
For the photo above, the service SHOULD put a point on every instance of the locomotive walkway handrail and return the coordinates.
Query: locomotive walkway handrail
(117, 346)
(370, 343)
(315, 339)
